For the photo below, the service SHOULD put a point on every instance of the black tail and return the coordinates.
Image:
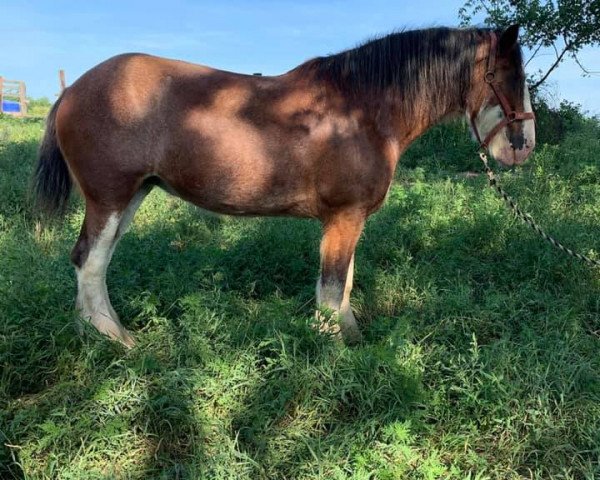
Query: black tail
(52, 181)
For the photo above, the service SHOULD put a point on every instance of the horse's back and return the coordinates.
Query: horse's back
(228, 142)
(125, 89)
(204, 132)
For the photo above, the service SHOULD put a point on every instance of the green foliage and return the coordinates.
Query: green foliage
(553, 125)
(567, 26)
(38, 107)
(481, 356)
(448, 147)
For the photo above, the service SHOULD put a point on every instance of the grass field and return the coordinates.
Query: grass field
(481, 356)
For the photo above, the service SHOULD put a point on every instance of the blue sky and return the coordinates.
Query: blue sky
(247, 36)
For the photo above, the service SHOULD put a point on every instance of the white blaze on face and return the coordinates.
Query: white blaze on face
(528, 125)
(487, 118)
(500, 145)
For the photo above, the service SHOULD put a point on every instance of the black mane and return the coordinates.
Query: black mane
(435, 62)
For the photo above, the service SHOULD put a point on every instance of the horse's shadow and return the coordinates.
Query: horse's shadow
(255, 300)
(462, 267)
(266, 296)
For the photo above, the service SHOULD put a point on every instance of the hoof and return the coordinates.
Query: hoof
(126, 339)
(112, 329)
(121, 335)
(335, 327)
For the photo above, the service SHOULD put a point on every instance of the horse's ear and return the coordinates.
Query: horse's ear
(508, 39)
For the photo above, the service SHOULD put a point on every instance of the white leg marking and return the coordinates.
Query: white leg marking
(349, 325)
(335, 297)
(129, 212)
(329, 299)
(92, 295)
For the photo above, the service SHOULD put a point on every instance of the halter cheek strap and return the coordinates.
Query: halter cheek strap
(510, 115)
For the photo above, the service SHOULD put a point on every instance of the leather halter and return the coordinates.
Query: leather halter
(510, 115)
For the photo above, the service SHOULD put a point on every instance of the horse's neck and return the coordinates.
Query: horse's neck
(438, 93)
(427, 109)
(399, 127)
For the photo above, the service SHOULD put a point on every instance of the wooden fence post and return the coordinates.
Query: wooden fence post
(63, 82)
(23, 98)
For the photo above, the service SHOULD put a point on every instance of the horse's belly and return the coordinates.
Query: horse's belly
(247, 201)
(242, 185)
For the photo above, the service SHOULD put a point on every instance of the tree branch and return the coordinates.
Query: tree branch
(554, 65)
(534, 54)
(486, 8)
(585, 70)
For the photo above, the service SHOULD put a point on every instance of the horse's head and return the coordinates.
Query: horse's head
(499, 109)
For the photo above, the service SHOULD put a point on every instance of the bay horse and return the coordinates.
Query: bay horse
(320, 141)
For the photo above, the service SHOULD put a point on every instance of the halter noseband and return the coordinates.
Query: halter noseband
(510, 115)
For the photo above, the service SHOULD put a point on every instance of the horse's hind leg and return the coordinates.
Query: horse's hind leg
(337, 268)
(100, 232)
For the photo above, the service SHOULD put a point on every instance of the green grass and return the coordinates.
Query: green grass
(481, 356)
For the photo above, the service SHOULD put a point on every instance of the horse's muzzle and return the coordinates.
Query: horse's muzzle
(509, 156)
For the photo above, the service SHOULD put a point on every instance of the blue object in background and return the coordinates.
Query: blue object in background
(11, 107)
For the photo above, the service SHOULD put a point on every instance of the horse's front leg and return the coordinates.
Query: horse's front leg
(341, 233)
